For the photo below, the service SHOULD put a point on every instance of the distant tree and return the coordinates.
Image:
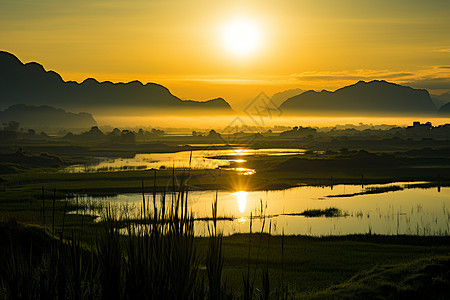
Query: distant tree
(12, 126)
(94, 132)
(213, 133)
(299, 131)
(127, 136)
(69, 135)
(157, 132)
(115, 131)
(343, 150)
(31, 132)
(363, 152)
(124, 136)
(6, 136)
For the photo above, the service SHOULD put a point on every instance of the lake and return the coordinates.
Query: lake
(201, 159)
(406, 209)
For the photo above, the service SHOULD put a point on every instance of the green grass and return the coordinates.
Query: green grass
(420, 279)
(312, 264)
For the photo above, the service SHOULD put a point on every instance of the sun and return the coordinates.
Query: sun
(241, 36)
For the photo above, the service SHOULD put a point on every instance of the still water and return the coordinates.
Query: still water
(408, 210)
(201, 159)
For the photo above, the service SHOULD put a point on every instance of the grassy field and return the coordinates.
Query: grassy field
(303, 267)
(312, 264)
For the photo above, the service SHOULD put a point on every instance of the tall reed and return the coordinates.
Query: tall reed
(214, 257)
(156, 259)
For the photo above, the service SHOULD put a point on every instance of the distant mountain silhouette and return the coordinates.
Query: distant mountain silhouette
(272, 102)
(372, 98)
(280, 97)
(440, 100)
(30, 83)
(39, 117)
(445, 109)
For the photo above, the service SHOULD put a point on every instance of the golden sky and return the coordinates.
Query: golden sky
(180, 44)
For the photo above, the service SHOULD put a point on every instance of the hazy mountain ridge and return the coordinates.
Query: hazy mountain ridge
(280, 97)
(30, 116)
(30, 83)
(212, 103)
(445, 109)
(441, 100)
(374, 97)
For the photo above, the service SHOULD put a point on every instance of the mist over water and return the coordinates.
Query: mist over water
(255, 122)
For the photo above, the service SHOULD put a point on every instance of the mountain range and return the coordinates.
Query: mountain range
(445, 109)
(280, 97)
(376, 97)
(31, 84)
(441, 100)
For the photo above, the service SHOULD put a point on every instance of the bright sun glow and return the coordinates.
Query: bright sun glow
(242, 200)
(239, 152)
(241, 36)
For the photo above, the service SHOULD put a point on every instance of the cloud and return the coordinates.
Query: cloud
(225, 81)
(437, 83)
(444, 50)
(432, 78)
(351, 75)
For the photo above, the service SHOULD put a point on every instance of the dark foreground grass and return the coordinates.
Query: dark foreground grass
(420, 279)
(313, 264)
(154, 263)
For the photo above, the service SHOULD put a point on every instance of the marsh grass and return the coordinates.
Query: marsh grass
(374, 190)
(329, 212)
(246, 278)
(56, 270)
(265, 280)
(155, 261)
(157, 258)
(161, 257)
(214, 258)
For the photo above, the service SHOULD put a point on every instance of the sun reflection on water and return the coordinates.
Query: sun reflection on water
(245, 171)
(241, 197)
(239, 152)
(241, 220)
(238, 160)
